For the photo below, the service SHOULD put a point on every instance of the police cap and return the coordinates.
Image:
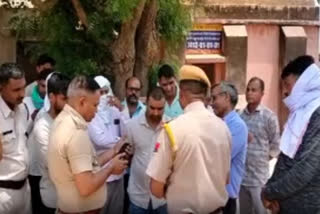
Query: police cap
(191, 72)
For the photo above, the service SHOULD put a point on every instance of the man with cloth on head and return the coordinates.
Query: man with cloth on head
(105, 131)
(57, 85)
(191, 163)
(35, 105)
(295, 184)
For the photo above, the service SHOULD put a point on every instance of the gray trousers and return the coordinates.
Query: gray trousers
(115, 197)
(250, 200)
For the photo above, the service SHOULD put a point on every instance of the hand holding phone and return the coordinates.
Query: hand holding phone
(127, 149)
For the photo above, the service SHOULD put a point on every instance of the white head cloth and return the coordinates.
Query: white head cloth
(104, 109)
(47, 105)
(302, 102)
(104, 83)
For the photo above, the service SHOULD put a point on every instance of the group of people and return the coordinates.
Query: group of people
(70, 146)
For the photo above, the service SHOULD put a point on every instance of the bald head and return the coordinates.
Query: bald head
(132, 80)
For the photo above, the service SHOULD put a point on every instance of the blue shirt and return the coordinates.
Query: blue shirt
(239, 132)
(125, 113)
(174, 110)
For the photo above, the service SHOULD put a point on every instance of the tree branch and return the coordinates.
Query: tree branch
(80, 12)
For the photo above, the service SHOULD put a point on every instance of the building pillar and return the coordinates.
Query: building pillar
(293, 43)
(235, 50)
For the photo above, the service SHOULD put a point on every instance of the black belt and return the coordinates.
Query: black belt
(86, 212)
(12, 184)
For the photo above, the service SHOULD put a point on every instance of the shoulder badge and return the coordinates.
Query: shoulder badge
(157, 146)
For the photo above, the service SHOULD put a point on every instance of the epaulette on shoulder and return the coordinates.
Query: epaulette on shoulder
(171, 137)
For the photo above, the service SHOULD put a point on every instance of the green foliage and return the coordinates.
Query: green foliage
(75, 50)
(24, 24)
(79, 50)
(121, 10)
(173, 21)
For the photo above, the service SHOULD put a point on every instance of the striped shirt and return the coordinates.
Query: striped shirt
(263, 126)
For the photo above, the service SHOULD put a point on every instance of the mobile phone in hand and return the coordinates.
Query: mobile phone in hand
(123, 150)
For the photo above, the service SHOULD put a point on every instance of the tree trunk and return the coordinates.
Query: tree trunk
(123, 50)
(80, 12)
(44, 5)
(147, 43)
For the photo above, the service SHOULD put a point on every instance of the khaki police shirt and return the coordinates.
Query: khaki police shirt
(13, 128)
(70, 152)
(198, 174)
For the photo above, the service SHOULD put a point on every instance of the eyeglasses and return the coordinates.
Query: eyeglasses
(214, 97)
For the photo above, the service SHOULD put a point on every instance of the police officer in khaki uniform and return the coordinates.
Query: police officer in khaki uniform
(74, 167)
(14, 189)
(191, 163)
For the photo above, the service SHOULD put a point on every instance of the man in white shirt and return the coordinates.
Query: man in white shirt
(34, 104)
(131, 107)
(14, 188)
(57, 86)
(141, 133)
(105, 131)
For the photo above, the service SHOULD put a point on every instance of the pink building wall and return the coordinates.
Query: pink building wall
(263, 60)
(312, 41)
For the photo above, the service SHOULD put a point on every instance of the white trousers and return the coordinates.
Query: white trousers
(15, 201)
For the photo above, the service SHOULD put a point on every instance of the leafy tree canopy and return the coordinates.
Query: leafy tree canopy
(86, 49)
